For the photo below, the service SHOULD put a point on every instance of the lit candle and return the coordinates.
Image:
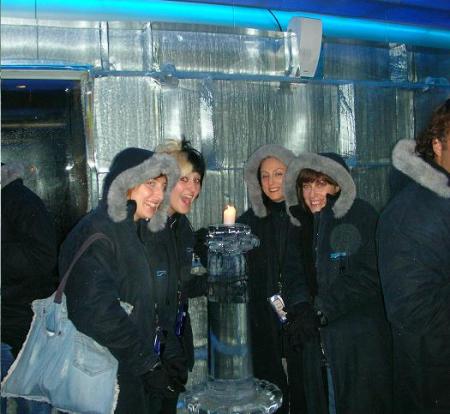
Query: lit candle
(229, 215)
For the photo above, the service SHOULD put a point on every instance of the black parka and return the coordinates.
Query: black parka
(356, 342)
(119, 270)
(270, 223)
(28, 255)
(174, 282)
(414, 261)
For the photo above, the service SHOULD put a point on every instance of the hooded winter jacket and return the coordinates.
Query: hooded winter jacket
(28, 255)
(270, 223)
(119, 270)
(414, 261)
(355, 343)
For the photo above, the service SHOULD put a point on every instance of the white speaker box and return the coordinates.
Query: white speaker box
(306, 44)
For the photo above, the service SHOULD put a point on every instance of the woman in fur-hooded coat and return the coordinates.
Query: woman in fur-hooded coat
(414, 260)
(269, 221)
(117, 271)
(354, 340)
(174, 280)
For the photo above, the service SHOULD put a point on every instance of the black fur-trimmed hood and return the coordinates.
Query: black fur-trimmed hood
(11, 172)
(405, 159)
(132, 167)
(326, 164)
(251, 174)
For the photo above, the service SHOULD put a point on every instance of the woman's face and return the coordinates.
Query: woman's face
(315, 193)
(148, 196)
(184, 193)
(272, 172)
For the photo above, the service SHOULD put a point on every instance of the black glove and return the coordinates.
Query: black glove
(200, 245)
(178, 373)
(196, 286)
(175, 387)
(156, 380)
(302, 325)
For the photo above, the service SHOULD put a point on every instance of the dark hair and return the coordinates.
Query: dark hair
(194, 157)
(307, 175)
(184, 153)
(438, 127)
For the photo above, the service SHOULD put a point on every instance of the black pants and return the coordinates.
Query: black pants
(169, 404)
(134, 399)
(296, 383)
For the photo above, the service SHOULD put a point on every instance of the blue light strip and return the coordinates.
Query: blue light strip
(156, 10)
(200, 13)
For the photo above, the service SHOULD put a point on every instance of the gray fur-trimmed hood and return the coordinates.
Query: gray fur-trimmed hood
(126, 174)
(11, 172)
(251, 173)
(405, 159)
(326, 165)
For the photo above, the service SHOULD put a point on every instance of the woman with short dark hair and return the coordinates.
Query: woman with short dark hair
(341, 323)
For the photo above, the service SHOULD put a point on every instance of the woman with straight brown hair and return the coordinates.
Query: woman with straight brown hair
(274, 357)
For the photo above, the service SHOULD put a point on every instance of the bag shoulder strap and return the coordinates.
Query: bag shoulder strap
(81, 250)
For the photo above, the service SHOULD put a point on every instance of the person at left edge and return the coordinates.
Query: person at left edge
(28, 272)
(173, 263)
(111, 273)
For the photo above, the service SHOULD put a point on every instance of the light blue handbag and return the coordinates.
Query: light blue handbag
(61, 366)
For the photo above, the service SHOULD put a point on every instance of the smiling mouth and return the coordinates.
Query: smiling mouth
(153, 206)
(187, 199)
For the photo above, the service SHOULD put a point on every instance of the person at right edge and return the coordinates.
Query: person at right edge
(414, 261)
(273, 357)
(342, 327)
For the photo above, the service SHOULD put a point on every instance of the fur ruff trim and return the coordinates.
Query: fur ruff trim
(251, 173)
(152, 167)
(11, 172)
(405, 159)
(326, 166)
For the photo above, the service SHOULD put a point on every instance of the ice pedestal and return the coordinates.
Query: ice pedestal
(231, 387)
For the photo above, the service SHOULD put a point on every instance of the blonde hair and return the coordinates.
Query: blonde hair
(174, 148)
(188, 158)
